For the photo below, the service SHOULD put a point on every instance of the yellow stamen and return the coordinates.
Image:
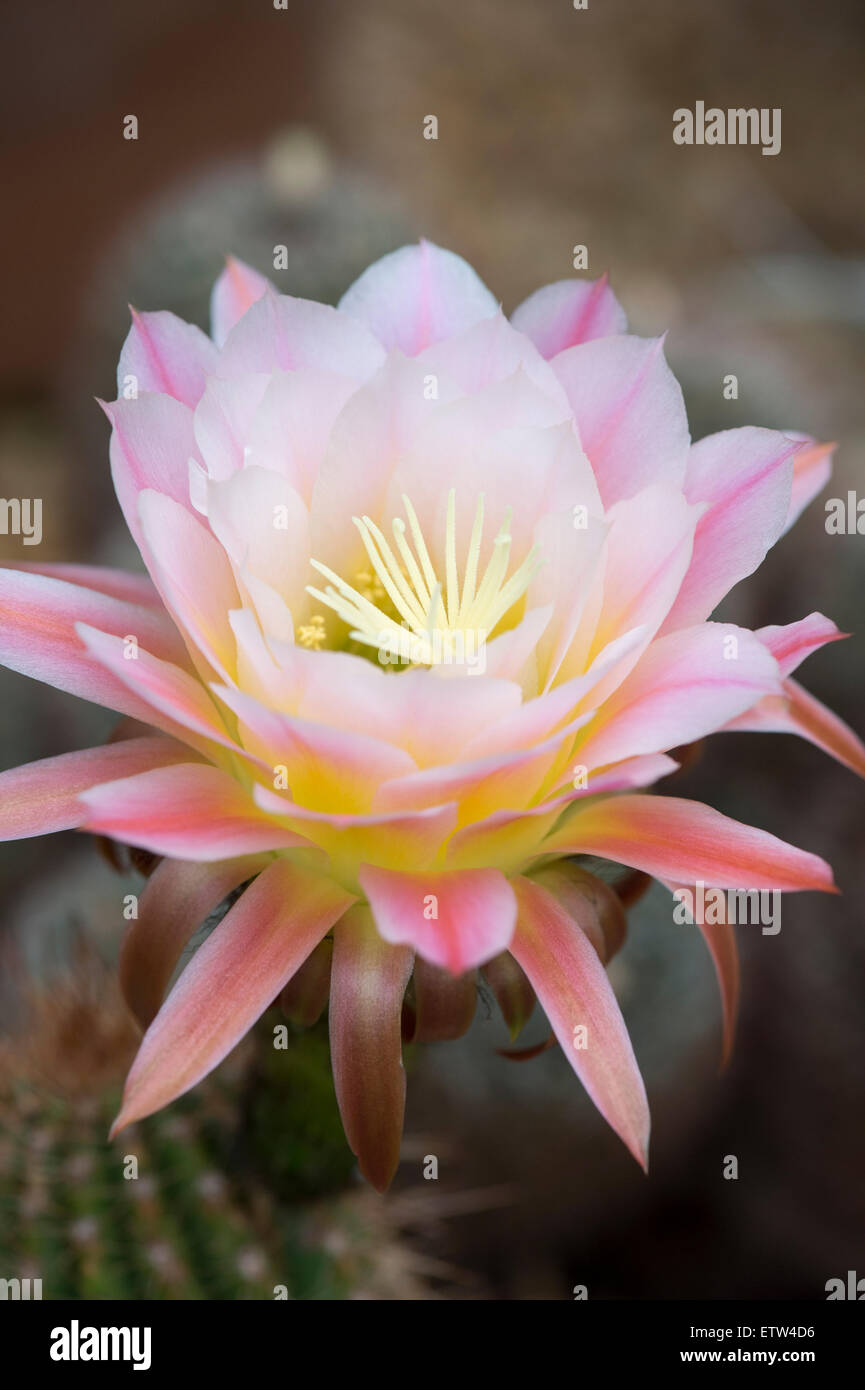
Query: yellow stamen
(431, 620)
(314, 634)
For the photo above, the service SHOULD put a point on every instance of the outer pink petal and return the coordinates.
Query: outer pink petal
(456, 920)
(167, 688)
(629, 412)
(632, 772)
(191, 811)
(125, 585)
(514, 994)
(743, 477)
(368, 981)
(574, 991)
(792, 642)
(798, 712)
(282, 333)
(236, 290)
(239, 970)
(720, 937)
(684, 687)
(569, 312)
(721, 941)
(193, 575)
(167, 355)
(38, 638)
(304, 998)
(684, 841)
(647, 555)
(417, 296)
(39, 798)
(444, 1004)
(812, 469)
(152, 442)
(177, 899)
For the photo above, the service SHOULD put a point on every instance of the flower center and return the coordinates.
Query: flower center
(405, 611)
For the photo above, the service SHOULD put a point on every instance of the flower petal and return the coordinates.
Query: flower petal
(647, 556)
(484, 784)
(508, 839)
(177, 899)
(671, 838)
(455, 920)
(790, 643)
(720, 937)
(490, 351)
(630, 773)
(290, 431)
(223, 421)
(594, 904)
(721, 941)
(368, 981)
(796, 711)
(444, 1004)
(304, 998)
(417, 296)
(570, 574)
(629, 412)
(370, 435)
(189, 811)
(574, 991)
(812, 469)
(262, 523)
(283, 333)
(743, 477)
(192, 572)
(164, 354)
(569, 312)
(126, 585)
(387, 839)
(38, 638)
(236, 290)
(168, 689)
(39, 798)
(231, 980)
(510, 984)
(685, 686)
(152, 443)
(326, 768)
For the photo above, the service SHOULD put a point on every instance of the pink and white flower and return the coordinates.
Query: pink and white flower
(428, 606)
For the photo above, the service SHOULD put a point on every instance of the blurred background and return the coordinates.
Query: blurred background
(303, 127)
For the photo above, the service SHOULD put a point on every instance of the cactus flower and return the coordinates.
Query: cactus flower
(428, 606)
